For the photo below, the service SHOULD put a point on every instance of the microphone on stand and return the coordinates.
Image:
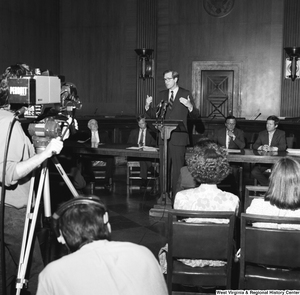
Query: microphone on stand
(164, 110)
(257, 116)
(158, 110)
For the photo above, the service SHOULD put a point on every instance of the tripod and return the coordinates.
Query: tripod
(32, 214)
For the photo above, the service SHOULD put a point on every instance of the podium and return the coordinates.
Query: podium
(165, 127)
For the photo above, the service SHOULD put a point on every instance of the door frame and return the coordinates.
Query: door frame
(236, 67)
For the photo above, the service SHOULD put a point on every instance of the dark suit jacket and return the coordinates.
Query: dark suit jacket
(278, 140)
(238, 143)
(178, 112)
(134, 136)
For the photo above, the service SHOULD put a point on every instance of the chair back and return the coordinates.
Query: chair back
(264, 250)
(205, 239)
(251, 193)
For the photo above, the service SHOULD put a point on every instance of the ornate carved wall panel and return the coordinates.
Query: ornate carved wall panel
(200, 68)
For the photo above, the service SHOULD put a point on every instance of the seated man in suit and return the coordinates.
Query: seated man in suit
(269, 140)
(229, 136)
(142, 137)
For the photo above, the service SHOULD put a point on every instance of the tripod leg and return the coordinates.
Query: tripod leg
(29, 229)
(65, 177)
(47, 199)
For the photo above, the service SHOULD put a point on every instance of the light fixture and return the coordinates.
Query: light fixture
(292, 67)
(147, 62)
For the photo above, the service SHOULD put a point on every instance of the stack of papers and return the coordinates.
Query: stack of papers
(293, 151)
(144, 148)
(233, 151)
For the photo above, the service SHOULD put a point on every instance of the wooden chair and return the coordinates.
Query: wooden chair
(133, 173)
(267, 254)
(225, 184)
(210, 241)
(250, 196)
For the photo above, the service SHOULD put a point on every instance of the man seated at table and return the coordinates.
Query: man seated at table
(229, 136)
(269, 140)
(142, 137)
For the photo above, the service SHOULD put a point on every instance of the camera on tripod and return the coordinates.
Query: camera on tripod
(45, 99)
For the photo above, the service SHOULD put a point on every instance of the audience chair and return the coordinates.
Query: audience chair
(206, 240)
(225, 185)
(250, 196)
(133, 173)
(99, 171)
(267, 173)
(269, 257)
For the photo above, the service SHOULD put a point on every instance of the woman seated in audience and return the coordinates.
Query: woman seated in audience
(282, 198)
(209, 166)
(186, 180)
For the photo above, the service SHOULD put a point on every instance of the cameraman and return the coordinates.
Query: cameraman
(21, 161)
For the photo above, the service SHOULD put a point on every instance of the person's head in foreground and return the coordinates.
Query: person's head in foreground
(209, 164)
(284, 187)
(202, 143)
(81, 221)
(96, 264)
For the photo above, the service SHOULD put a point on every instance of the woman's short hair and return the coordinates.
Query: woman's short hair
(84, 223)
(284, 187)
(209, 164)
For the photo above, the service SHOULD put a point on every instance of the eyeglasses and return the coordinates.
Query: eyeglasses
(168, 79)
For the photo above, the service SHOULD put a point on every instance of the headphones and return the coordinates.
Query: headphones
(92, 200)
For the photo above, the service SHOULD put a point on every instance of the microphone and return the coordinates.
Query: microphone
(20, 112)
(257, 116)
(164, 109)
(158, 110)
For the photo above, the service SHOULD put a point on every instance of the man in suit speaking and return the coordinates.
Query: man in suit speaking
(178, 104)
(269, 140)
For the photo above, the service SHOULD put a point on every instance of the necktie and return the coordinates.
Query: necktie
(141, 138)
(171, 100)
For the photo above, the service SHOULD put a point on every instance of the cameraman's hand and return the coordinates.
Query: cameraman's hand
(23, 168)
(54, 147)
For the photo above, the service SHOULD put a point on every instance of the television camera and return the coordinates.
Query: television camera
(50, 103)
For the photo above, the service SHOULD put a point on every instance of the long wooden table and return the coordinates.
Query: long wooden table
(254, 156)
(241, 156)
(234, 156)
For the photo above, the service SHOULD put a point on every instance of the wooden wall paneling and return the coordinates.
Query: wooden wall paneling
(146, 38)
(98, 39)
(29, 32)
(290, 102)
